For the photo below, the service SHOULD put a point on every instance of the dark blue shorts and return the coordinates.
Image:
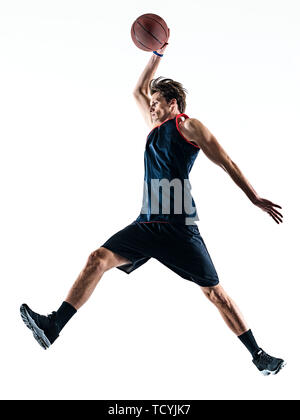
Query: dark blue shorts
(179, 247)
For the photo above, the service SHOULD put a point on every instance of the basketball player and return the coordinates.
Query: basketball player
(165, 228)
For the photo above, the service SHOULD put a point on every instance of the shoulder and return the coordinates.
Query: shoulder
(189, 123)
(187, 129)
(194, 128)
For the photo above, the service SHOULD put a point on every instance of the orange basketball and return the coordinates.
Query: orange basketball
(149, 32)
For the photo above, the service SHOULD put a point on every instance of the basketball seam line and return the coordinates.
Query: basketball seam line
(159, 24)
(150, 32)
(150, 49)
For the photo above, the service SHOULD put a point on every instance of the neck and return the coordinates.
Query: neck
(170, 116)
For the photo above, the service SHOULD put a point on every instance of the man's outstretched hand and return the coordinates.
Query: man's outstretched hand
(268, 206)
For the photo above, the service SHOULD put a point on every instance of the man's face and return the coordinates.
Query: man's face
(159, 108)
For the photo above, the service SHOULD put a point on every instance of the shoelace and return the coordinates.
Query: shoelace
(265, 357)
(51, 316)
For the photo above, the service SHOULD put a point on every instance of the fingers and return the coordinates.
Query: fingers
(270, 206)
(277, 212)
(274, 210)
(275, 217)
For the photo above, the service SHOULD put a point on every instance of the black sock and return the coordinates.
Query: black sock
(249, 341)
(64, 314)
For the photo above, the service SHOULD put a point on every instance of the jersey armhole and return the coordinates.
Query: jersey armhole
(177, 126)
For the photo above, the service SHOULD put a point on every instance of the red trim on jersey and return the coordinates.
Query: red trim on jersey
(177, 126)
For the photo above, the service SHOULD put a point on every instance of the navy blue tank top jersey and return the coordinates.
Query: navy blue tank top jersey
(168, 160)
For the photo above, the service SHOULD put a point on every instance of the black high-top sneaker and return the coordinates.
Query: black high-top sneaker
(44, 328)
(267, 364)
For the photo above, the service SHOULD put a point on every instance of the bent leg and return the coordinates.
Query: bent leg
(98, 262)
(227, 307)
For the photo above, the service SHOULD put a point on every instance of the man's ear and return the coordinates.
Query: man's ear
(173, 101)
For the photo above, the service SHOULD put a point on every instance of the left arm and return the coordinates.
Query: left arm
(195, 131)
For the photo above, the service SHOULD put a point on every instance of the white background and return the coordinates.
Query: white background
(72, 144)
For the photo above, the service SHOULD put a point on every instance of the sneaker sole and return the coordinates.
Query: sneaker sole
(38, 334)
(268, 372)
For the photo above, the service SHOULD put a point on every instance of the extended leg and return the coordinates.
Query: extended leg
(227, 307)
(98, 262)
(46, 329)
(232, 316)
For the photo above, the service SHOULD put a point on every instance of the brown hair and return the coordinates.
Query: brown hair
(169, 89)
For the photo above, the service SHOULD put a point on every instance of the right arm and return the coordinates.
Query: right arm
(141, 91)
(142, 85)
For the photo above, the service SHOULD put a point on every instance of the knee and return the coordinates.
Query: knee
(97, 260)
(216, 295)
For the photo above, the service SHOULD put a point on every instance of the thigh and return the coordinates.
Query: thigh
(133, 243)
(186, 254)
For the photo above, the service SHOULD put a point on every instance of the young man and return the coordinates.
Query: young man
(166, 228)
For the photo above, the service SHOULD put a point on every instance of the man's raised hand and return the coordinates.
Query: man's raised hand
(162, 49)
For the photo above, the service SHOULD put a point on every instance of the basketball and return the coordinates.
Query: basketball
(149, 32)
